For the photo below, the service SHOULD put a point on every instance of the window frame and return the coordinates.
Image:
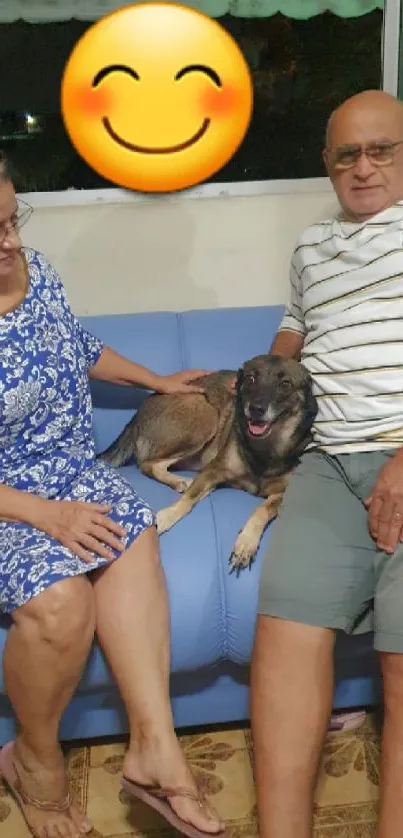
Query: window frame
(84, 197)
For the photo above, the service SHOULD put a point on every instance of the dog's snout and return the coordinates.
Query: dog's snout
(257, 410)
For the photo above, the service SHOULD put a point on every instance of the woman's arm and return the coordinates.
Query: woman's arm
(16, 505)
(80, 526)
(113, 367)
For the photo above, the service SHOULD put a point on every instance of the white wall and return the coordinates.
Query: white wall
(175, 254)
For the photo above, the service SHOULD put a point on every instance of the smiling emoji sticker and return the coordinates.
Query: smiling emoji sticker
(156, 97)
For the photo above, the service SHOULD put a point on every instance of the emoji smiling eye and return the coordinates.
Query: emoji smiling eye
(114, 68)
(200, 68)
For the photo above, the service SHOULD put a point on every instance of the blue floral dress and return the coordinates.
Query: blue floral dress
(46, 440)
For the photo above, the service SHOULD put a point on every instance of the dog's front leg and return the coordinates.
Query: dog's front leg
(247, 543)
(200, 487)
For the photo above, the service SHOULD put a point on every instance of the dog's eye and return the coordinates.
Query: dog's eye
(250, 378)
(285, 384)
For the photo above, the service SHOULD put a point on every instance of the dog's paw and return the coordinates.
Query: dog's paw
(183, 484)
(166, 518)
(243, 553)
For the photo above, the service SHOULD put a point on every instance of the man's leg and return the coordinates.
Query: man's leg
(317, 577)
(291, 700)
(389, 641)
(45, 653)
(133, 628)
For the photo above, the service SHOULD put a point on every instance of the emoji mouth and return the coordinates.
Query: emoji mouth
(162, 150)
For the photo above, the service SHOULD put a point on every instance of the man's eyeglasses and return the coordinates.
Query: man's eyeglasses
(21, 216)
(347, 156)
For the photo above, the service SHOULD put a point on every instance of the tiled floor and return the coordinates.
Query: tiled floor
(345, 804)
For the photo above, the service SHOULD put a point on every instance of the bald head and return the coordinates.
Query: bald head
(365, 109)
(364, 153)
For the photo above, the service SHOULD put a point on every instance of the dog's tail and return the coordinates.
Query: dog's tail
(123, 449)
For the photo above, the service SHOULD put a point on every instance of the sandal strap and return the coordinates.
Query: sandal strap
(177, 791)
(46, 805)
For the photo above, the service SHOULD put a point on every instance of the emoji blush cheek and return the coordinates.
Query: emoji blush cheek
(216, 103)
(92, 102)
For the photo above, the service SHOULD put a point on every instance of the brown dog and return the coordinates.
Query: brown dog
(250, 440)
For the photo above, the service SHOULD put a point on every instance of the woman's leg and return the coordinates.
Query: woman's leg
(45, 653)
(132, 624)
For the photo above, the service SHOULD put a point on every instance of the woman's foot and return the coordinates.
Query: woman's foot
(162, 763)
(36, 786)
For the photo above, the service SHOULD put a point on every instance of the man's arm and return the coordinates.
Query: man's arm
(287, 344)
(290, 337)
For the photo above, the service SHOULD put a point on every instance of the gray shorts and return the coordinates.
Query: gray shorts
(322, 567)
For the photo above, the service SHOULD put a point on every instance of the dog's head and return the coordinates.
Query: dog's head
(271, 390)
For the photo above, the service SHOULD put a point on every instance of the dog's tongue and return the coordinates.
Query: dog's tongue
(257, 429)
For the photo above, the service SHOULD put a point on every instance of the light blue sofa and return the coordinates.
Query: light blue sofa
(212, 613)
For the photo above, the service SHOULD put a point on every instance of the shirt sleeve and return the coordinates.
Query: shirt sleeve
(293, 318)
(91, 345)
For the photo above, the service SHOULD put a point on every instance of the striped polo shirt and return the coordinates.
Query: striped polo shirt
(346, 298)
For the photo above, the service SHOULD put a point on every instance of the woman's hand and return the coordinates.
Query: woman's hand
(180, 382)
(84, 528)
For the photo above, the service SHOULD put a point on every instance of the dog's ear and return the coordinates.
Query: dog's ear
(310, 403)
(239, 380)
(309, 409)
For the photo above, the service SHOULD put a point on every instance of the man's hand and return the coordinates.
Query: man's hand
(180, 382)
(84, 528)
(385, 505)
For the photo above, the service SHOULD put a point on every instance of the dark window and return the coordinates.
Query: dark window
(302, 69)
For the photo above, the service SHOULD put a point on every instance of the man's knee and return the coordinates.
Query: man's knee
(63, 615)
(392, 672)
(276, 635)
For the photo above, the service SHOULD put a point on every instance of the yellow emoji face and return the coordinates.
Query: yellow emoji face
(156, 97)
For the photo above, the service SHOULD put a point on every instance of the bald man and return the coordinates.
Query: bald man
(335, 559)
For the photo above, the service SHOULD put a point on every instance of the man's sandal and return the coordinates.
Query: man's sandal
(158, 798)
(9, 774)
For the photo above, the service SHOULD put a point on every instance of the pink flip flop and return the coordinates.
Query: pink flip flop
(11, 778)
(158, 798)
(341, 722)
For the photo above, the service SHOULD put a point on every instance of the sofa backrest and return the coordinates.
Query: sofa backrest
(167, 342)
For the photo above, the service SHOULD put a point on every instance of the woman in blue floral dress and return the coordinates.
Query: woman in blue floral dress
(78, 554)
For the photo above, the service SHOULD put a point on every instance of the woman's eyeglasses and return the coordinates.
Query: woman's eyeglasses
(21, 216)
